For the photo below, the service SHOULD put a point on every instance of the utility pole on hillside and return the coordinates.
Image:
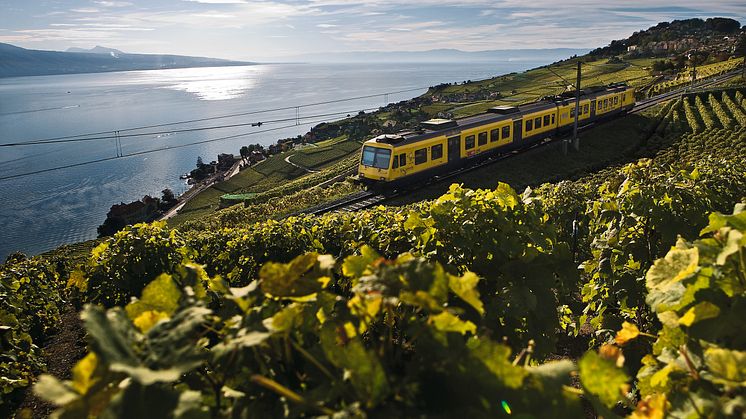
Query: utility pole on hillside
(694, 73)
(575, 139)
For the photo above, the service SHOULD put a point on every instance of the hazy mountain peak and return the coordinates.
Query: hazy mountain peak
(98, 49)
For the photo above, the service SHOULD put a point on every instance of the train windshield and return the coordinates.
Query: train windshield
(376, 157)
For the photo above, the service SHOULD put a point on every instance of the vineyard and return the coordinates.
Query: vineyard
(685, 77)
(620, 294)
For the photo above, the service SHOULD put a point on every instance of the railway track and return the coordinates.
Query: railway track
(367, 199)
(353, 202)
(648, 103)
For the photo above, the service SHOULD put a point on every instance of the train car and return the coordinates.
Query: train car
(442, 145)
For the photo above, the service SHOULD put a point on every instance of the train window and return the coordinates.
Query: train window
(529, 125)
(482, 138)
(552, 119)
(469, 142)
(402, 159)
(616, 100)
(396, 162)
(572, 112)
(546, 120)
(376, 157)
(494, 135)
(600, 104)
(420, 156)
(537, 122)
(506, 132)
(585, 108)
(606, 103)
(436, 151)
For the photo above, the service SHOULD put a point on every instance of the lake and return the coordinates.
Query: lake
(42, 211)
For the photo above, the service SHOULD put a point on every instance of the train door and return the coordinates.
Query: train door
(454, 149)
(517, 131)
(593, 108)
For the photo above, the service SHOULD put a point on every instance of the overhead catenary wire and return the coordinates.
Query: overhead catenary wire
(118, 136)
(233, 115)
(139, 153)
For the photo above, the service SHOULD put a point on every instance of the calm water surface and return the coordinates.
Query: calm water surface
(40, 212)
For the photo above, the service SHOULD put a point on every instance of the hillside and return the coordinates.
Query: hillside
(16, 61)
(707, 37)
(408, 310)
(610, 282)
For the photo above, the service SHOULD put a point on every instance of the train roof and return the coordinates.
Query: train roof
(439, 126)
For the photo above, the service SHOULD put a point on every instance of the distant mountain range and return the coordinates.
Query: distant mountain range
(443, 55)
(16, 61)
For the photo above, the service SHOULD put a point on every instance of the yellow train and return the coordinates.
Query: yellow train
(441, 145)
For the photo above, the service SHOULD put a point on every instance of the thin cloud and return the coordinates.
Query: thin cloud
(104, 3)
(220, 27)
(85, 10)
(218, 1)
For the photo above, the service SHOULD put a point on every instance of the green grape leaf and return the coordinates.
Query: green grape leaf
(112, 335)
(466, 288)
(734, 241)
(664, 278)
(83, 373)
(285, 319)
(628, 332)
(558, 373)
(495, 357)
(702, 311)
(447, 322)
(602, 378)
(51, 389)
(356, 266)
(161, 295)
(143, 401)
(147, 376)
(191, 407)
(302, 277)
(366, 373)
(726, 366)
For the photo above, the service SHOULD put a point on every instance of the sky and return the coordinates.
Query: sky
(270, 29)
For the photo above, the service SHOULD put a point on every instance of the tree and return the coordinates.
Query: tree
(167, 195)
(723, 25)
(245, 152)
(662, 65)
(200, 163)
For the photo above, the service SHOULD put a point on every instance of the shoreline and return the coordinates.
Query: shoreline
(195, 190)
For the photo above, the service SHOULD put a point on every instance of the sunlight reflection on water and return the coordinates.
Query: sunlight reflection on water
(207, 83)
(217, 83)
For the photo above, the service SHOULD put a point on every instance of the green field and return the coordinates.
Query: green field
(259, 178)
(323, 155)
